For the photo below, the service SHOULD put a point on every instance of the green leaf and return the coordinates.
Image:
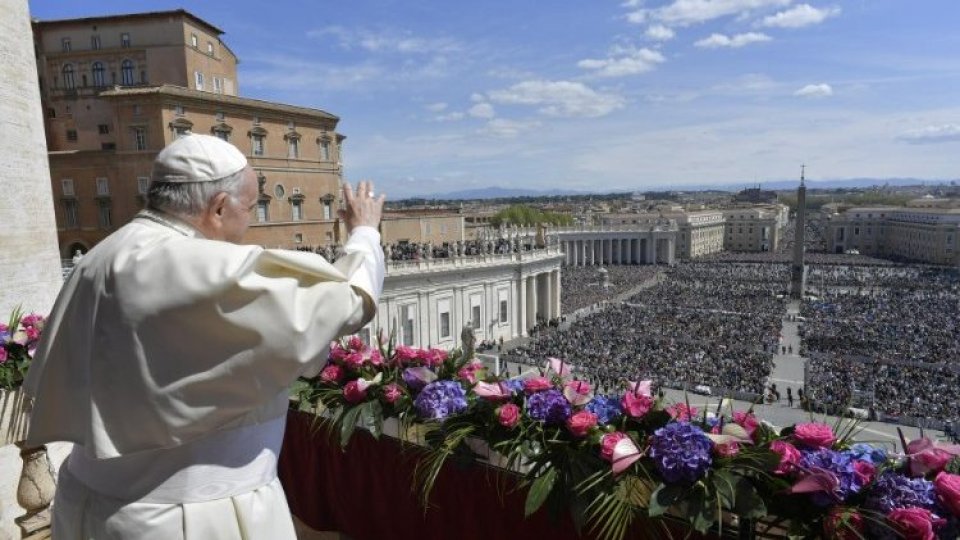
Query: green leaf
(700, 509)
(749, 503)
(664, 497)
(539, 491)
(371, 418)
(725, 485)
(348, 423)
(953, 467)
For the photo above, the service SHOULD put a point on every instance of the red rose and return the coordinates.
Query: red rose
(354, 393)
(580, 423)
(508, 415)
(789, 456)
(843, 524)
(331, 374)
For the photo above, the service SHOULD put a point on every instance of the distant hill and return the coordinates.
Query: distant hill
(497, 192)
(778, 185)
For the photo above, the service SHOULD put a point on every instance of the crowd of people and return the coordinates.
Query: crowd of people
(415, 251)
(685, 332)
(585, 286)
(892, 346)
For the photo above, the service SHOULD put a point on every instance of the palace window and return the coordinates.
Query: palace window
(140, 138)
(143, 184)
(443, 308)
(67, 185)
(193, 40)
(95, 42)
(126, 73)
(324, 150)
(72, 135)
(263, 211)
(297, 209)
(103, 215)
(98, 74)
(70, 214)
(258, 143)
(198, 79)
(103, 129)
(65, 44)
(103, 187)
(125, 39)
(408, 316)
(68, 80)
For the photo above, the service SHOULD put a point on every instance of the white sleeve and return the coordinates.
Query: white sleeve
(365, 241)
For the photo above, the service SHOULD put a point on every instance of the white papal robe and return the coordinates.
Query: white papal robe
(166, 360)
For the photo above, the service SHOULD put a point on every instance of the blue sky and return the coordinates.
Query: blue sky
(442, 95)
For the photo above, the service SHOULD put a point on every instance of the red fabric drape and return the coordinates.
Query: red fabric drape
(367, 493)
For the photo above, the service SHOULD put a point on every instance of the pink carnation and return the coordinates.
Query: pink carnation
(947, 487)
(636, 405)
(355, 343)
(927, 456)
(681, 412)
(536, 384)
(353, 360)
(508, 415)
(332, 374)
(433, 357)
(914, 523)
(3, 354)
(789, 456)
(392, 392)
(373, 356)
(581, 422)
(353, 392)
(337, 353)
(864, 471)
(608, 442)
(405, 354)
(814, 434)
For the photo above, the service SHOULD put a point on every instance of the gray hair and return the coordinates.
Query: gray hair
(190, 198)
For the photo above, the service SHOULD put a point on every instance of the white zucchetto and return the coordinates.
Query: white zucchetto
(197, 158)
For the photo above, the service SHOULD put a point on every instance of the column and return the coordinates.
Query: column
(522, 305)
(545, 296)
(651, 250)
(671, 247)
(556, 293)
(531, 301)
(608, 251)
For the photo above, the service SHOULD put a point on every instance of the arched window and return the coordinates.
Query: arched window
(68, 81)
(98, 74)
(126, 73)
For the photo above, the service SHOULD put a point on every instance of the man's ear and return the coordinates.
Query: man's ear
(218, 203)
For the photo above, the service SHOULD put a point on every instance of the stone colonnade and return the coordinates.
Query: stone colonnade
(540, 299)
(610, 248)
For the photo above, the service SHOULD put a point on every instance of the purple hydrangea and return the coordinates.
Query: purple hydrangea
(440, 399)
(515, 385)
(867, 452)
(549, 407)
(838, 463)
(892, 490)
(681, 452)
(606, 408)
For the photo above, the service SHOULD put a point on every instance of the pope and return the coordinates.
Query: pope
(168, 354)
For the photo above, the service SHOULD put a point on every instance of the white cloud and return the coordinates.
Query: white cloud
(501, 127)
(559, 98)
(450, 117)
(388, 41)
(482, 110)
(659, 32)
(815, 91)
(801, 15)
(716, 41)
(477, 98)
(932, 134)
(436, 107)
(629, 61)
(688, 12)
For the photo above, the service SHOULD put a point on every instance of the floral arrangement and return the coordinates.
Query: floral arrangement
(18, 340)
(609, 459)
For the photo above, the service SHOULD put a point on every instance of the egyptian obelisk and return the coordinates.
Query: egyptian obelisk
(798, 271)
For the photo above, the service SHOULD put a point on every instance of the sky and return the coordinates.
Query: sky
(437, 96)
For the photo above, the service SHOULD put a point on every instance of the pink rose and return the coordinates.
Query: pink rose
(636, 405)
(864, 471)
(353, 360)
(3, 355)
(354, 392)
(608, 442)
(814, 434)
(580, 423)
(536, 384)
(948, 491)
(747, 421)
(374, 357)
(789, 456)
(355, 343)
(681, 412)
(469, 371)
(508, 415)
(844, 524)
(332, 374)
(914, 523)
(391, 393)
(726, 449)
(927, 456)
